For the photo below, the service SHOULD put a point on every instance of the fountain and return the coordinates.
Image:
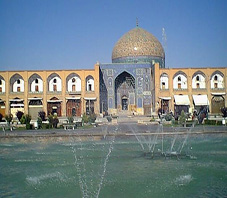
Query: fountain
(108, 163)
(147, 140)
(178, 142)
(91, 173)
(171, 146)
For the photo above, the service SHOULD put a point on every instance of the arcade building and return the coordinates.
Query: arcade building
(136, 82)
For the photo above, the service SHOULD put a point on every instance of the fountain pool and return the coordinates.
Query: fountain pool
(112, 167)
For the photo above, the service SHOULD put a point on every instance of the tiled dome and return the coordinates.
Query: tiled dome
(139, 45)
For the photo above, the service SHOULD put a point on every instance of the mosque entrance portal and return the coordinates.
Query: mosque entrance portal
(124, 92)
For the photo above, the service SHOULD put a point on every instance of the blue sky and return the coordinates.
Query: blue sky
(74, 34)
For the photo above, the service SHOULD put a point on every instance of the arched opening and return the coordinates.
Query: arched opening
(36, 88)
(35, 83)
(73, 88)
(54, 83)
(73, 107)
(2, 84)
(2, 107)
(90, 83)
(35, 105)
(16, 83)
(217, 103)
(180, 80)
(73, 83)
(197, 78)
(217, 80)
(164, 81)
(16, 104)
(54, 106)
(124, 103)
(125, 92)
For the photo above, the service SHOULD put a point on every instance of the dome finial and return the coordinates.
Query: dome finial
(137, 22)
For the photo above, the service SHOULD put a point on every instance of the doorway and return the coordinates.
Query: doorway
(124, 103)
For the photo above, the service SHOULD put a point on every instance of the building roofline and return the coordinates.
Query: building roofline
(47, 70)
(214, 67)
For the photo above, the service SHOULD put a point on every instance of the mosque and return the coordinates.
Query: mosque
(136, 82)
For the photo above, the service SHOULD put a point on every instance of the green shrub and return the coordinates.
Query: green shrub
(219, 122)
(27, 121)
(55, 121)
(174, 122)
(9, 118)
(22, 120)
(27, 118)
(28, 126)
(39, 122)
(45, 126)
(213, 122)
(182, 118)
(168, 117)
(51, 120)
(85, 118)
(92, 118)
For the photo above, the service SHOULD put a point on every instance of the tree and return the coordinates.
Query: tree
(224, 111)
(27, 121)
(19, 115)
(50, 119)
(42, 115)
(92, 118)
(55, 121)
(39, 122)
(9, 118)
(182, 118)
(85, 118)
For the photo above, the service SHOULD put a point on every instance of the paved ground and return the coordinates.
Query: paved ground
(119, 129)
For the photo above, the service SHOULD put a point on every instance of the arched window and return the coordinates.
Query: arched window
(164, 81)
(73, 88)
(16, 83)
(73, 83)
(197, 78)
(217, 80)
(89, 83)
(2, 84)
(179, 86)
(35, 83)
(180, 80)
(163, 85)
(37, 88)
(54, 82)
